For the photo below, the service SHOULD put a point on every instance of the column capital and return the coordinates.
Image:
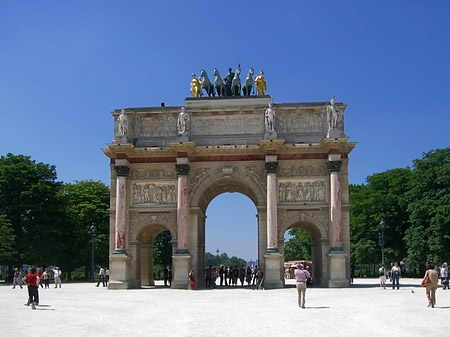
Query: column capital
(182, 169)
(122, 170)
(271, 166)
(334, 165)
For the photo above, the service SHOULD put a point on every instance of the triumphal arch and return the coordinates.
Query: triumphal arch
(169, 163)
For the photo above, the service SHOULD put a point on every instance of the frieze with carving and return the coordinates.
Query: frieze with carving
(289, 122)
(198, 177)
(255, 174)
(156, 126)
(292, 191)
(311, 170)
(153, 174)
(154, 194)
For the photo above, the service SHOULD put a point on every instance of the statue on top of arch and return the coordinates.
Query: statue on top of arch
(230, 85)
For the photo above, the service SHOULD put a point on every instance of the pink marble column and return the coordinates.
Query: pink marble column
(121, 206)
(272, 215)
(182, 207)
(334, 166)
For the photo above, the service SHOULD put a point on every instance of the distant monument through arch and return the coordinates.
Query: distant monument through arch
(168, 163)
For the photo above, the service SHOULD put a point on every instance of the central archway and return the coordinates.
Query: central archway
(213, 186)
(231, 230)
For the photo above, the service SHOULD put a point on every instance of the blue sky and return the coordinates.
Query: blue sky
(65, 65)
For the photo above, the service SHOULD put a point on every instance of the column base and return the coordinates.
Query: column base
(338, 268)
(272, 272)
(180, 270)
(119, 267)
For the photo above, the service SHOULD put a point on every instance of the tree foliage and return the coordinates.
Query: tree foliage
(87, 204)
(162, 249)
(223, 259)
(32, 202)
(298, 247)
(428, 238)
(384, 197)
(7, 240)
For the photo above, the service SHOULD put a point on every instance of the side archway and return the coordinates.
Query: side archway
(316, 228)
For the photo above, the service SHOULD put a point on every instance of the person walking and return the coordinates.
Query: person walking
(101, 276)
(301, 276)
(382, 274)
(57, 276)
(260, 279)
(17, 280)
(396, 273)
(432, 284)
(106, 276)
(444, 276)
(191, 277)
(32, 281)
(46, 278)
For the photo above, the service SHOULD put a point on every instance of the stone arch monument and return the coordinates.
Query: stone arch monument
(168, 163)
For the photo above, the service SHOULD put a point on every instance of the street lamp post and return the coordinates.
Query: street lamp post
(93, 230)
(218, 258)
(382, 227)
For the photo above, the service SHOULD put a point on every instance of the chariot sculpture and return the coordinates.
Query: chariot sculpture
(230, 85)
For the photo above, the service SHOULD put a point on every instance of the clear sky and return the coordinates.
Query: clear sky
(65, 65)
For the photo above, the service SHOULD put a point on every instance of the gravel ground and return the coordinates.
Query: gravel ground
(81, 309)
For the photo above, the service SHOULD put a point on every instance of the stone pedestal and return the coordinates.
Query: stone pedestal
(272, 134)
(182, 137)
(272, 270)
(123, 139)
(119, 267)
(338, 269)
(334, 133)
(180, 271)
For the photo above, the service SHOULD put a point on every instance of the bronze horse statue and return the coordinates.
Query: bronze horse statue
(219, 85)
(248, 84)
(206, 84)
(236, 83)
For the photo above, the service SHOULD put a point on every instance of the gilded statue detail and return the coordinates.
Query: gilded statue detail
(260, 82)
(196, 86)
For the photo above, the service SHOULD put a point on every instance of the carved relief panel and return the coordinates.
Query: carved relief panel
(297, 191)
(153, 193)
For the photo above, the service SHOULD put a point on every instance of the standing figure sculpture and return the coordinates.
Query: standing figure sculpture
(269, 118)
(123, 123)
(333, 114)
(248, 84)
(236, 83)
(206, 84)
(228, 81)
(182, 122)
(219, 85)
(260, 82)
(196, 86)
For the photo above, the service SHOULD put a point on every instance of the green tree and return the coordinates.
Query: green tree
(31, 200)
(87, 204)
(162, 249)
(7, 240)
(384, 197)
(428, 238)
(299, 246)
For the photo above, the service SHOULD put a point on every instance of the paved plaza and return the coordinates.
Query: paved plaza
(81, 309)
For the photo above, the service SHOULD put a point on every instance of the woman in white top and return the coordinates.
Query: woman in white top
(382, 273)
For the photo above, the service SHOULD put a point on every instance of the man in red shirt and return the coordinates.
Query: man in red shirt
(32, 281)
